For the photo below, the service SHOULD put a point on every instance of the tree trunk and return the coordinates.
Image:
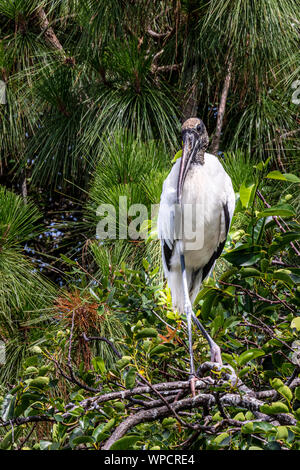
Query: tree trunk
(221, 111)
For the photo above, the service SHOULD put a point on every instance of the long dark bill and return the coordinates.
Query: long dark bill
(189, 149)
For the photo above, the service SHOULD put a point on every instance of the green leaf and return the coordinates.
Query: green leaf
(246, 194)
(130, 378)
(276, 175)
(161, 348)
(247, 428)
(276, 383)
(123, 362)
(250, 272)
(102, 429)
(99, 365)
(244, 255)
(177, 155)
(275, 408)
(239, 416)
(282, 432)
(44, 445)
(219, 440)
(146, 264)
(125, 443)
(8, 438)
(281, 210)
(146, 333)
(297, 393)
(286, 392)
(31, 370)
(83, 440)
(295, 323)
(39, 382)
(249, 355)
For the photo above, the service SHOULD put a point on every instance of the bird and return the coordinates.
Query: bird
(195, 212)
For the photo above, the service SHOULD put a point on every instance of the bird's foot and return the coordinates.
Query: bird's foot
(215, 354)
(193, 381)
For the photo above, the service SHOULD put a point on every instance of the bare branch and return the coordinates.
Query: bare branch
(102, 338)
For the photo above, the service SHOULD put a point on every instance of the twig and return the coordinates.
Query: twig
(26, 437)
(102, 338)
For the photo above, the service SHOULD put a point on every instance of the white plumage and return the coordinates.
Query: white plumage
(196, 208)
(209, 187)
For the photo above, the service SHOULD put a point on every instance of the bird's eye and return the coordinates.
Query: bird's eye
(199, 127)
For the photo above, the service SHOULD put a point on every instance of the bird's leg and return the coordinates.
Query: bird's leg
(215, 351)
(188, 312)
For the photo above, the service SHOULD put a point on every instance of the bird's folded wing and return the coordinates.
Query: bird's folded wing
(166, 215)
(226, 215)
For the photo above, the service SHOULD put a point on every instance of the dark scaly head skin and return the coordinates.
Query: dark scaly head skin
(197, 126)
(195, 143)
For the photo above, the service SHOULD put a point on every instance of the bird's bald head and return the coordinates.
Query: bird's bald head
(197, 127)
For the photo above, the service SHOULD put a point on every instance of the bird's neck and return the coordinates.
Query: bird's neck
(199, 157)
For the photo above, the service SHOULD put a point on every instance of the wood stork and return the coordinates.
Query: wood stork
(196, 208)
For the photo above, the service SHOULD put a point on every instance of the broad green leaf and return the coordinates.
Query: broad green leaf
(295, 323)
(244, 255)
(161, 348)
(103, 428)
(83, 440)
(123, 362)
(246, 194)
(208, 303)
(276, 383)
(282, 432)
(130, 378)
(286, 392)
(275, 408)
(221, 438)
(281, 210)
(247, 428)
(125, 443)
(250, 272)
(239, 416)
(44, 445)
(146, 333)
(39, 382)
(276, 175)
(249, 355)
(31, 370)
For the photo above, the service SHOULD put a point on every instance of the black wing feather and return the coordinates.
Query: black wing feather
(218, 252)
(167, 253)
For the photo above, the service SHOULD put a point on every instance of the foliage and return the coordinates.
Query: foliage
(96, 357)
(250, 310)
